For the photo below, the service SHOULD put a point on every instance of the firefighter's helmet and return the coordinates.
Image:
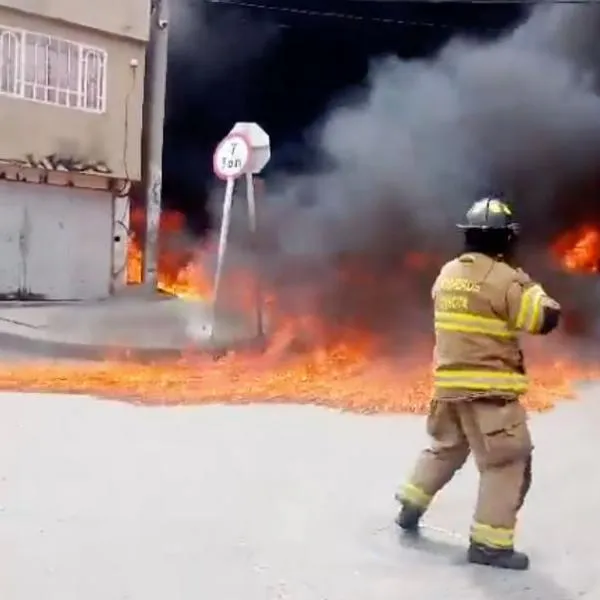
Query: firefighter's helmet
(490, 214)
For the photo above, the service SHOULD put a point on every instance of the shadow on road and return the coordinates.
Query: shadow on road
(530, 585)
(453, 551)
(494, 584)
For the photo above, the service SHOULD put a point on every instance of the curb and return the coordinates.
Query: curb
(102, 352)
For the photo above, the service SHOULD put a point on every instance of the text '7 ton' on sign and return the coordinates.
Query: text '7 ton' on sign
(232, 156)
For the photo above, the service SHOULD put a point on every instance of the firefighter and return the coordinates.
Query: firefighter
(481, 305)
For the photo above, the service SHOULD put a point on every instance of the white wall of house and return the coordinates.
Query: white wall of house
(57, 243)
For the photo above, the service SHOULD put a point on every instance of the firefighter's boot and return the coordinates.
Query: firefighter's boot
(500, 558)
(409, 517)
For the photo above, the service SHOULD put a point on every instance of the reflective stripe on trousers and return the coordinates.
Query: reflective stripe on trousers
(481, 380)
(531, 316)
(468, 323)
(492, 537)
(414, 495)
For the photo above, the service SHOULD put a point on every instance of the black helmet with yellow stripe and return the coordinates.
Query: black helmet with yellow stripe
(490, 228)
(490, 213)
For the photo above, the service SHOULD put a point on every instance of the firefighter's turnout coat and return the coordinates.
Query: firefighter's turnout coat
(480, 307)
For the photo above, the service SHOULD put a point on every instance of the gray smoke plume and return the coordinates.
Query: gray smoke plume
(519, 116)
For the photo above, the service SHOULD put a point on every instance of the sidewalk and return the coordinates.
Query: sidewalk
(129, 326)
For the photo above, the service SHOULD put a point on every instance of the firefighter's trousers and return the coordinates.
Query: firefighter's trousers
(496, 432)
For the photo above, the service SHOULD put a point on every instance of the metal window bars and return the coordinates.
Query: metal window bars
(52, 70)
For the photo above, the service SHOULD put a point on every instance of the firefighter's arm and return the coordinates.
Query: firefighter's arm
(530, 309)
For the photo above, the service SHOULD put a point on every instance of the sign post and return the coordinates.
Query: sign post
(245, 151)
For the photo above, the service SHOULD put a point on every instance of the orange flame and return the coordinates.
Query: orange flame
(179, 273)
(301, 363)
(578, 250)
(343, 379)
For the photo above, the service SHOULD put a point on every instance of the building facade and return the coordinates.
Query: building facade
(71, 82)
(71, 97)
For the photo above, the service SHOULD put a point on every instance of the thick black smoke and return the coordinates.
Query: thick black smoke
(519, 116)
(212, 64)
(282, 68)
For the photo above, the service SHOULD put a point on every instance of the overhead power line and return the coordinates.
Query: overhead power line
(526, 2)
(327, 14)
(324, 14)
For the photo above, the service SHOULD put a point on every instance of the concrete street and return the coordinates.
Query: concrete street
(108, 501)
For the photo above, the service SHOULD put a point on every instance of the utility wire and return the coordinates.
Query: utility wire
(388, 20)
(527, 2)
(341, 15)
(328, 14)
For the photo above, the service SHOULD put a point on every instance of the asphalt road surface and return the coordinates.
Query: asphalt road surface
(108, 501)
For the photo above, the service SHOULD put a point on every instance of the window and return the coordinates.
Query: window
(47, 69)
(10, 61)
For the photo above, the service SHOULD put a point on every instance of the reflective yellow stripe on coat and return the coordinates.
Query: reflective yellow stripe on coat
(481, 380)
(467, 323)
(531, 315)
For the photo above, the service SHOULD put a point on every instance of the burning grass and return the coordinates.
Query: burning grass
(344, 373)
(337, 380)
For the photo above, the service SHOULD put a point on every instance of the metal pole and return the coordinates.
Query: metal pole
(225, 223)
(252, 221)
(156, 80)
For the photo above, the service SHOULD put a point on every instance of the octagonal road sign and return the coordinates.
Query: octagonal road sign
(260, 145)
(232, 156)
